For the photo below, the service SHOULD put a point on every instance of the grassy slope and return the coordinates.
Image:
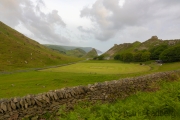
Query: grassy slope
(91, 54)
(19, 52)
(132, 47)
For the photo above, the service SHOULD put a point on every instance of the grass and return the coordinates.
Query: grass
(20, 84)
(161, 105)
(34, 82)
(101, 68)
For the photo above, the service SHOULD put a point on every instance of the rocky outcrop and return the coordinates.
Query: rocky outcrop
(37, 105)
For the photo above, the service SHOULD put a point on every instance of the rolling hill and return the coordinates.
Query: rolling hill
(138, 46)
(91, 54)
(66, 48)
(76, 52)
(19, 52)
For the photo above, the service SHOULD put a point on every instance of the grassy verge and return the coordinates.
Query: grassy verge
(160, 105)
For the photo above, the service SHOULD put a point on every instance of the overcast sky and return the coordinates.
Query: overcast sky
(92, 23)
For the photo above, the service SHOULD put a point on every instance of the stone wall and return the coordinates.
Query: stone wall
(33, 105)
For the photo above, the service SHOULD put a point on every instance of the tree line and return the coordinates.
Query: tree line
(161, 52)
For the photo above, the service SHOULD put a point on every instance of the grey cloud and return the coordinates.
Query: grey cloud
(80, 28)
(42, 25)
(110, 18)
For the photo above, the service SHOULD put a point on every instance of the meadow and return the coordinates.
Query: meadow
(89, 72)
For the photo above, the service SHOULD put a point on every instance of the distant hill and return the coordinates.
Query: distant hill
(76, 52)
(65, 48)
(138, 46)
(18, 52)
(91, 54)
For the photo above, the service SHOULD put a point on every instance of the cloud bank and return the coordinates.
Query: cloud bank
(109, 18)
(30, 15)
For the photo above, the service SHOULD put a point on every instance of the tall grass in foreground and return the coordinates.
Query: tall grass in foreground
(160, 105)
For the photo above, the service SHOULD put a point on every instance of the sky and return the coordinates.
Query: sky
(92, 23)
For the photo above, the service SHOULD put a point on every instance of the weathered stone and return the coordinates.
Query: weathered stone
(18, 105)
(55, 95)
(39, 98)
(13, 105)
(3, 106)
(32, 101)
(28, 99)
(72, 92)
(9, 107)
(51, 95)
(46, 98)
(22, 102)
(26, 105)
(1, 110)
(58, 92)
(38, 103)
(15, 100)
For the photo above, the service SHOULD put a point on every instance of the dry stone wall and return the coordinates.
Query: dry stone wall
(33, 105)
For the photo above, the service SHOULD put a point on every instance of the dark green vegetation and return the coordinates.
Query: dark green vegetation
(171, 54)
(74, 51)
(152, 49)
(163, 104)
(19, 52)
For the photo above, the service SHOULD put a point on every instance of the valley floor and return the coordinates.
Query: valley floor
(89, 72)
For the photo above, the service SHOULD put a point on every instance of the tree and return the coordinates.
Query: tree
(156, 51)
(137, 57)
(101, 57)
(145, 56)
(171, 55)
(127, 57)
(117, 57)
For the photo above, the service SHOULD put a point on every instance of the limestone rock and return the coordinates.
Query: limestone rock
(3, 106)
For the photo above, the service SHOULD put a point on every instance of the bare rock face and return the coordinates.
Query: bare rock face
(154, 37)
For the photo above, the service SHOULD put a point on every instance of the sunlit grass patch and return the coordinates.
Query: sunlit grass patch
(102, 68)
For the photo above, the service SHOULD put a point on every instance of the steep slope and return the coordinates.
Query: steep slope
(138, 46)
(19, 52)
(91, 54)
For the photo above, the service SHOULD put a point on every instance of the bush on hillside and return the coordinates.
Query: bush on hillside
(117, 57)
(171, 55)
(145, 56)
(156, 51)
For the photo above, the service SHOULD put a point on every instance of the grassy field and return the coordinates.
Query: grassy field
(102, 68)
(34, 82)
